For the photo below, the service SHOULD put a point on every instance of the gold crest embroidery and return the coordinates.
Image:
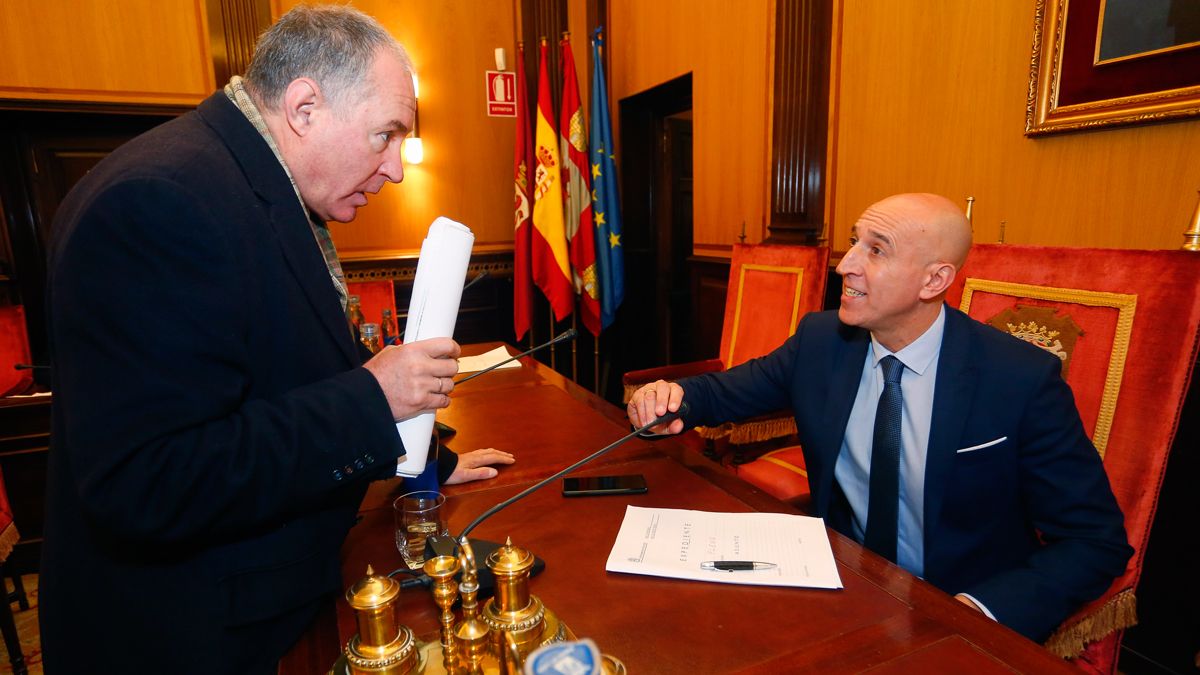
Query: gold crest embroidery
(1042, 327)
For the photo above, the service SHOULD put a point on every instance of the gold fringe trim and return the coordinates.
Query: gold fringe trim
(8, 539)
(714, 433)
(741, 433)
(762, 430)
(1118, 613)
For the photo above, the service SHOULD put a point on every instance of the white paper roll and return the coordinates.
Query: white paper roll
(437, 292)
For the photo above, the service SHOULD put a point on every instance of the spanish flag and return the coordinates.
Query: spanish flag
(551, 271)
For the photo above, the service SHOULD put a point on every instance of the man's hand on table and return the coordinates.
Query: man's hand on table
(475, 465)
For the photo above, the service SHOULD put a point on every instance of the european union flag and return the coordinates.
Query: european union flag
(606, 204)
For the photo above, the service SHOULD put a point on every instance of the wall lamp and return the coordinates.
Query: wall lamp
(414, 149)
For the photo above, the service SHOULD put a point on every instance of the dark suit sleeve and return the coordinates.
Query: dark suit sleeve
(167, 440)
(757, 387)
(1067, 498)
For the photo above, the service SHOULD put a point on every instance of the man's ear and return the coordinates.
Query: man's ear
(939, 277)
(300, 99)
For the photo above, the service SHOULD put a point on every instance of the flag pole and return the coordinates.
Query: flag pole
(574, 357)
(596, 364)
(553, 350)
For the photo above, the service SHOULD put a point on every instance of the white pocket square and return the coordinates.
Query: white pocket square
(983, 445)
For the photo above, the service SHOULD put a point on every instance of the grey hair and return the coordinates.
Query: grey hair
(334, 45)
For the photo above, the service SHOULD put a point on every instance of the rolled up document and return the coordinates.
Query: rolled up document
(437, 292)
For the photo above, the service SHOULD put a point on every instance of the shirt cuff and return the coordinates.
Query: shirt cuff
(982, 607)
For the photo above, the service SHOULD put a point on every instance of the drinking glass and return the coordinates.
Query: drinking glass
(417, 516)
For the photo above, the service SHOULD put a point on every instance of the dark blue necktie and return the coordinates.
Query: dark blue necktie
(883, 503)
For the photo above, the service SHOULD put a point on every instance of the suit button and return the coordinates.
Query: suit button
(348, 469)
(369, 458)
(337, 475)
(359, 464)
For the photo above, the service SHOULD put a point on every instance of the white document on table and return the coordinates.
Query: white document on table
(675, 543)
(471, 364)
(436, 294)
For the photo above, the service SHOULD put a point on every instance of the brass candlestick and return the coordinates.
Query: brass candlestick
(442, 570)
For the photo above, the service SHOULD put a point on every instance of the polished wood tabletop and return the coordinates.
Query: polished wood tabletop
(884, 620)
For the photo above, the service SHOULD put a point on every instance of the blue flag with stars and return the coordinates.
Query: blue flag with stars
(606, 204)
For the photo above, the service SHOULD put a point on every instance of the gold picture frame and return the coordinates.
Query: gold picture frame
(1064, 51)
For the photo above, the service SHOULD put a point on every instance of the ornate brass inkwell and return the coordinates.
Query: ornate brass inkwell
(495, 638)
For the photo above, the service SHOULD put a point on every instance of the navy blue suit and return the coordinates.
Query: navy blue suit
(214, 431)
(1028, 526)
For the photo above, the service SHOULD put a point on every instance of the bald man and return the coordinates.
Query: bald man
(994, 492)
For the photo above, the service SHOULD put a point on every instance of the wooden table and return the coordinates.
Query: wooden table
(884, 619)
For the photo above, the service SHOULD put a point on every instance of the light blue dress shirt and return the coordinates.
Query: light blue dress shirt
(853, 468)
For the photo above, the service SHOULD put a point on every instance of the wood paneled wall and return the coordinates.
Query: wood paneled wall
(467, 172)
(727, 47)
(930, 96)
(927, 95)
(132, 51)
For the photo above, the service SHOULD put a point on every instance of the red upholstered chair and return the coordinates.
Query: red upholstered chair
(14, 349)
(770, 287)
(1125, 323)
(374, 297)
(780, 473)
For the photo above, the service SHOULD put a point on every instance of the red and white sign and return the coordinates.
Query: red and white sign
(501, 93)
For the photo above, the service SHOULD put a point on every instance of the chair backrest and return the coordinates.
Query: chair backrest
(374, 297)
(770, 287)
(14, 349)
(1126, 325)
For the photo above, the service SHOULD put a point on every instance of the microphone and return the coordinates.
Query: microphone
(439, 545)
(665, 419)
(569, 334)
(28, 366)
(476, 280)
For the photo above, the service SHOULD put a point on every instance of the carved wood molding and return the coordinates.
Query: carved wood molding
(497, 266)
(801, 102)
(548, 19)
(233, 30)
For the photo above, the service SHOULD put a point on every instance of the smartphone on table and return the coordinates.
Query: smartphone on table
(590, 486)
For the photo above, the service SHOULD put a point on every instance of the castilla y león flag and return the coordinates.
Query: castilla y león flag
(551, 271)
(576, 177)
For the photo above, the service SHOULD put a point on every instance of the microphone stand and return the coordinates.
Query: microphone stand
(665, 419)
(569, 334)
(445, 430)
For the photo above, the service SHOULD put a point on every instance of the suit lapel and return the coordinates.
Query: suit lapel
(843, 389)
(288, 220)
(954, 392)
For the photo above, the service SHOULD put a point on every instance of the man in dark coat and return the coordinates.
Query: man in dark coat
(215, 426)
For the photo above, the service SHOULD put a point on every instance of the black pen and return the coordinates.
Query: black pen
(736, 565)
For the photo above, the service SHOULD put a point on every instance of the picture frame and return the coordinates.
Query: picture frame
(1072, 88)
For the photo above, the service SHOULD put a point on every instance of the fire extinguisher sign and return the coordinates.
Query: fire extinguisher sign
(501, 93)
